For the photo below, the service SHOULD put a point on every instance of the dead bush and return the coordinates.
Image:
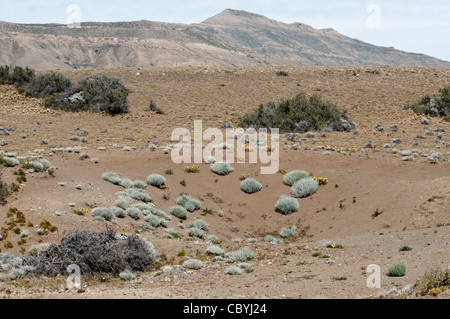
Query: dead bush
(94, 252)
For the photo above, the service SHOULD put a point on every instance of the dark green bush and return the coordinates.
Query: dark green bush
(99, 93)
(437, 105)
(300, 114)
(48, 84)
(4, 74)
(20, 77)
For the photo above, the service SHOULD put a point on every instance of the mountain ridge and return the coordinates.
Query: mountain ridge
(230, 38)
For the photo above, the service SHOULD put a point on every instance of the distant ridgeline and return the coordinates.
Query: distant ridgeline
(231, 38)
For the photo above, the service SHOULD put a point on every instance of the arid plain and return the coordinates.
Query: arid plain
(364, 177)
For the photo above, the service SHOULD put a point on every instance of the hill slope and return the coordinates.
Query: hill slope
(227, 39)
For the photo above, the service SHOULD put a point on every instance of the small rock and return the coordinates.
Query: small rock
(425, 121)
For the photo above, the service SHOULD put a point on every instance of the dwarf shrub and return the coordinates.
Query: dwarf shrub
(153, 220)
(199, 223)
(10, 161)
(397, 269)
(127, 275)
(156, 180)
(290, 178)
(103, 213)
(243, 254)
(287, 205)
(288, 232)
(133, 213)
(273, 240)
(139, 194)
(139, 184)
(215, 250)
(112, 178)
(123, 202)
(191, 204)
(250, 186)
(233, 271)
(196, 232)
(179, 212)
(304, 188)
(221, 168)
(192, 264)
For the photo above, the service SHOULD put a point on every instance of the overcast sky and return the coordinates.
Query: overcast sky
(421, 26)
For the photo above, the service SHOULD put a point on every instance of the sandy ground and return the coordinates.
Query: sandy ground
(412, 196)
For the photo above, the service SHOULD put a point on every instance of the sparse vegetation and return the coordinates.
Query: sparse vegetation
(299, 114)
(433, 283)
